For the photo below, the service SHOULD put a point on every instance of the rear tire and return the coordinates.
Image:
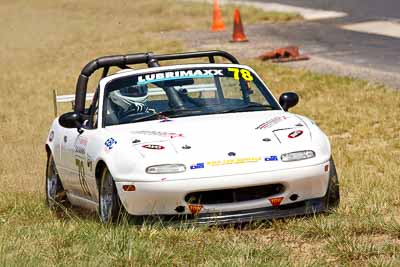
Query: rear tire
(332, 198)
(110, 208)
(55, 193)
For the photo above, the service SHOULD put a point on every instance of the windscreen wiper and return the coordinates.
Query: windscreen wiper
(249, 107)
(167, 113)
(157, 115)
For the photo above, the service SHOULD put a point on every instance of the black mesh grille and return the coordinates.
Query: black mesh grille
(234, 195)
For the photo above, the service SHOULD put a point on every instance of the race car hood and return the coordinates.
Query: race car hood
(237, 132)
(222, 140)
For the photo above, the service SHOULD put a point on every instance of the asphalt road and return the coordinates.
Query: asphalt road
(325, 38)
(358, 10)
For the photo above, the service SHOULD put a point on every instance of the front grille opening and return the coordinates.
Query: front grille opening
(234, 195)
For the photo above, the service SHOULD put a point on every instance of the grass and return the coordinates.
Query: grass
(44, 46)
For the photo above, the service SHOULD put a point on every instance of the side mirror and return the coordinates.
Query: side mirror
(70, 120)
(288, 100)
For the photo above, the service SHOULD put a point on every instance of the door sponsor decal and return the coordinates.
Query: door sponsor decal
(82, 176)
(155, 147)
(295, 134)
(89, 162)
(80, 146)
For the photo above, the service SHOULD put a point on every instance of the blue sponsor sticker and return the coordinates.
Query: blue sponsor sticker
(197, 166)
(110, 143)
(271, 158)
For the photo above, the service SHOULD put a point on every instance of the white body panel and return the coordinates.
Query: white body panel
(307, 182)
(253, 137)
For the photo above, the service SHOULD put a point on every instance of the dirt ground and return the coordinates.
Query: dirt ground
(260, 43)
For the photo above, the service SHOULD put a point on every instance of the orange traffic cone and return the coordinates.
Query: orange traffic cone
(238, 32)
(218, 24)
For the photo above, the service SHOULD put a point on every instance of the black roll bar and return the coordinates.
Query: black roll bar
(123, 60)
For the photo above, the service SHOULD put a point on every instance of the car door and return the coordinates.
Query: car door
(68, 169)
(78, 164)
(86, 149)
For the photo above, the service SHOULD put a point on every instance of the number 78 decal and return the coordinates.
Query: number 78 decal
(245, 74)
(82, 176)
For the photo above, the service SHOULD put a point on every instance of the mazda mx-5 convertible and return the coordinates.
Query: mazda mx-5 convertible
(207, 142)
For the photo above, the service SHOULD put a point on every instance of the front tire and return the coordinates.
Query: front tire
(110, 208)
(55, 193)
(332, 198)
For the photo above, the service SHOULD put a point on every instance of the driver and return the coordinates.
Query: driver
(131, 99)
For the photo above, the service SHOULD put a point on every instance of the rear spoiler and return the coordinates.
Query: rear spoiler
(152, 92)
(65, 99)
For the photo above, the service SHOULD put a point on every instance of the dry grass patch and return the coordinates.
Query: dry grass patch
(46, 43)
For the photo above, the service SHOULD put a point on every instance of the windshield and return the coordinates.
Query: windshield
(184, 92)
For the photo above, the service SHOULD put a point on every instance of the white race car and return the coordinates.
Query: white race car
(205, 142)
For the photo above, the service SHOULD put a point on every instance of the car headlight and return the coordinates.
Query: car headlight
(166, 168)
(298, 155)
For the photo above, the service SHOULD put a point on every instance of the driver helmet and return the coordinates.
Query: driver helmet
(130, 95)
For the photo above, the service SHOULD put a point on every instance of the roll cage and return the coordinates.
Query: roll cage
(122, 61)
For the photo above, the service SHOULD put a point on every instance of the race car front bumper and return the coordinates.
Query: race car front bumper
(167, 197)
(306, 207)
